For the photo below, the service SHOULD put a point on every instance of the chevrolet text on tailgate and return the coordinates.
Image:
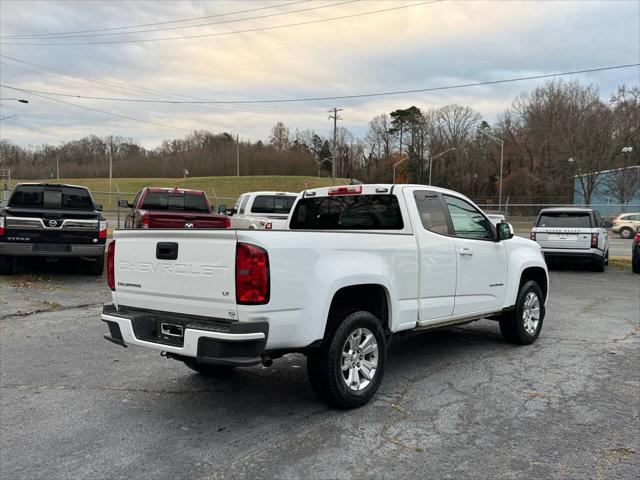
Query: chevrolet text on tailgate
(356, 265)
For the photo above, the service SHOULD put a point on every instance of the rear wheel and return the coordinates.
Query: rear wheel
(626, 232)
(6, 265)
(348, 369)
(635, 264)
(522, 325)
(599, 264)
(96, 266)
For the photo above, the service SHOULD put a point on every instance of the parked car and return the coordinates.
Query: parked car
(626, 224)
(635, 253)
(572, 234)
(356, 265)
(52, 220)
(262, 210)
(172, 208)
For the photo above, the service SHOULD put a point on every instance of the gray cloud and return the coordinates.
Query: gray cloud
(439, 44)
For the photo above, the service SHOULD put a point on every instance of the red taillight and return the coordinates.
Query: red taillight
(594, 240)
(349, 190)
(252, 275)
(637, 237)
(103, 229)
(227, 222)
(533, 236)
(1, 226)
(111, 274)
(145, 221)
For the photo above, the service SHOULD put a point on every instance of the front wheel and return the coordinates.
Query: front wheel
(522, 325)
(348, 369)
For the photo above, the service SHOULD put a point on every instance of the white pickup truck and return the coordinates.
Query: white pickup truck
(357, 264)
(262, 210)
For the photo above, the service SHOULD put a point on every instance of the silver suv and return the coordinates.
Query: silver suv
(573, 234)
(626, 224)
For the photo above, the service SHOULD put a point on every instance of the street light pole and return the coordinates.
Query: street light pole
(396, 164)
(431, 159)
(501, 142)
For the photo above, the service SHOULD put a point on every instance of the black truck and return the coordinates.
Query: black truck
(52, 220)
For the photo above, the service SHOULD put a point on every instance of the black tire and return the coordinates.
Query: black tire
(512, 324)
(213, 371)
(599, 264)
(324, 366)
(606, 258)
(6, 265)
(96, 266)
(626, 232)
(635, 265)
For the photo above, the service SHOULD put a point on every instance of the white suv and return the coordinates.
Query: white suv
(575, 234)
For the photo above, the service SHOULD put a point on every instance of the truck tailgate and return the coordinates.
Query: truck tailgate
(189, 272)
(561, 237)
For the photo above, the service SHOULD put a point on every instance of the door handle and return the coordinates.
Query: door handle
(465, 252)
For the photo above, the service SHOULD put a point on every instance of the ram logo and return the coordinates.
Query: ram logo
(188, 225)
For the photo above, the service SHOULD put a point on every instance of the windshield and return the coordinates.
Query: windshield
(565, 219)
(39, 196)
(273, 204)
(175, 202)
(349, 212)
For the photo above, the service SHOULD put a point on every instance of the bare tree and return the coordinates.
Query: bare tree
(280, 138)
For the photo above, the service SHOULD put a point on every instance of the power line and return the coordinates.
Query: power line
(157, 124)
(118, 86)
(336, 97)
(233, 32)
(36, 35)
(235, 20)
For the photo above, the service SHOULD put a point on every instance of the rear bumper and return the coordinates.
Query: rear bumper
(210, 341)
(586, 255)
(51, 250)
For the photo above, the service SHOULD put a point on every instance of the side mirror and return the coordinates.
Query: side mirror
(98, 207)
(222, 208)
(124, 204)
(607, 224)
(505, 231)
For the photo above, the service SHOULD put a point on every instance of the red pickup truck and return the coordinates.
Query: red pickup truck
(172, 208)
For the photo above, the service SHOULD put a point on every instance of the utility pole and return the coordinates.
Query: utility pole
(237, 155)
(334, 115)
(110, 168)
(57, 166)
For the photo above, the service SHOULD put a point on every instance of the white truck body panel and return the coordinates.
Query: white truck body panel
(428, 278)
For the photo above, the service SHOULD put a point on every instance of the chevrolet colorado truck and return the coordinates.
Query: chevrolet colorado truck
(172, 208)
(52, 220)
(262, 210)
(356, 265)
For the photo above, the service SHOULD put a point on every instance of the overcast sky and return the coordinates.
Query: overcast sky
(428, 45)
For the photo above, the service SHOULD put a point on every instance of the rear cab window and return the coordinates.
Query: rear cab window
(274, 204)
(175, 202)
(51, 197)
(564, 219)
(348, 212)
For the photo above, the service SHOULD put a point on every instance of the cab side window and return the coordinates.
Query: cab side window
(467, 220)
(432, 213)
(243, 204)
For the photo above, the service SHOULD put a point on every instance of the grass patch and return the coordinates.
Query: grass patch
(230, 187)
(620, 262)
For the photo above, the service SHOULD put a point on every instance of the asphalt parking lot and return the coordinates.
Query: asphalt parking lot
(455, 403)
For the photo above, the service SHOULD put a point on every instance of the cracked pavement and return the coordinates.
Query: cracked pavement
(455, 403)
